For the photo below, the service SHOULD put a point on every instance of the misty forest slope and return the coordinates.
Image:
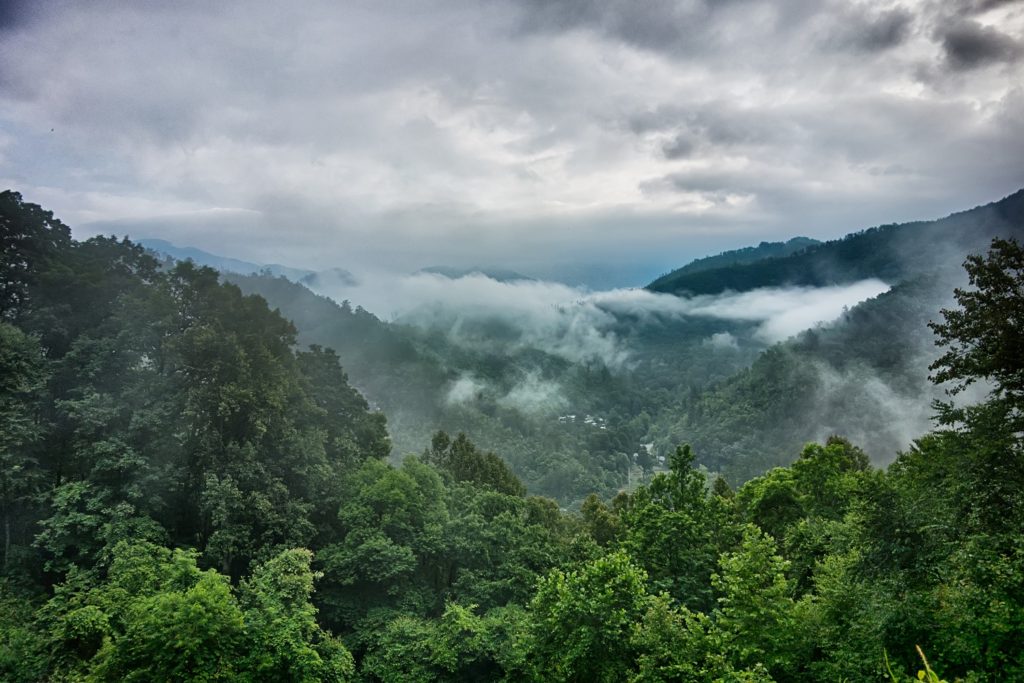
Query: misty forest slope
(735, 257)
(411, 373)
(863, 376)
(186, 493)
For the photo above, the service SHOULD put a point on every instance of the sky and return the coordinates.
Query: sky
(539, 135)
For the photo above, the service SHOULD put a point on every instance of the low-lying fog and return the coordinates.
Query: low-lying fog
(574, 323)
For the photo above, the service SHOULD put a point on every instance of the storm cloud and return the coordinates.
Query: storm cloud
(969, 45)
(514, 132)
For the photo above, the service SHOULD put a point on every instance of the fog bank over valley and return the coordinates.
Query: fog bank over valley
(575, 323)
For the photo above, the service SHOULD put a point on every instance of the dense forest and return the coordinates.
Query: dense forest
(736, 257)
(190, 494)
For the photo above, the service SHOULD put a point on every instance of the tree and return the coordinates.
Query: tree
(195, 634)
(21, 376)
(582, 620)
(460, 646)
(393, 526)
(756, 612)
(353, 433)
(29, 236)
(156, 616)
(463, 461)
(675, 532)
(288, 644)
(984, 338)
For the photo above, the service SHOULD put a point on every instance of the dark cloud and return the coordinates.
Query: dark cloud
(658, 24)
(969, 45)
(679, 147)
(13, 14)
(971, 7)
(877, 32)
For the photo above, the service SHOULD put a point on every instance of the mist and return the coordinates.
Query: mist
(878, 414)
(576, 324)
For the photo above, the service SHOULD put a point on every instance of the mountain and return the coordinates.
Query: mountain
(892, 253)
(736, 257)
(222, 263)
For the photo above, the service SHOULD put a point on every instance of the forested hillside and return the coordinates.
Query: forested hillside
(411, 374)
(892, 253)
(189, 495)
(736, 257)
(864, 375)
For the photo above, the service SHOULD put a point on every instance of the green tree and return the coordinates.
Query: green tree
(22, 372)
(460, 459)
(388, 558)
(582, 621)
(29, 238)
(287, 643)
(676, 532)
(756, 616)
(193, 634)
(984, 337)
(460, 646)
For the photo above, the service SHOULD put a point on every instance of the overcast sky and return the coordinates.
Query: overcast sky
(524, 133)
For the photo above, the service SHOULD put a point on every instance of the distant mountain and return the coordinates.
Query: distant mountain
(892, 253)
(226, 264)
(745, 407)
(200, 257)
(499, 274)
(737, 257)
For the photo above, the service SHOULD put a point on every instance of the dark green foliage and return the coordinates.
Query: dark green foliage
(461, 459)
(21, 476)
(984, 337)
(765, 250)
(30, 238)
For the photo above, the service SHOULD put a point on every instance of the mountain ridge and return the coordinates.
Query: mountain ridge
(891, 252)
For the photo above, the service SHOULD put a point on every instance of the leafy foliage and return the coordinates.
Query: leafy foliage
(984, 337)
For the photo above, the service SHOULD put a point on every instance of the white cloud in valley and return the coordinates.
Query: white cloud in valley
(577, 324)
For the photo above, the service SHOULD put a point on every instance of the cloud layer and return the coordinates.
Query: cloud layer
(579, 325)
(521, 132)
